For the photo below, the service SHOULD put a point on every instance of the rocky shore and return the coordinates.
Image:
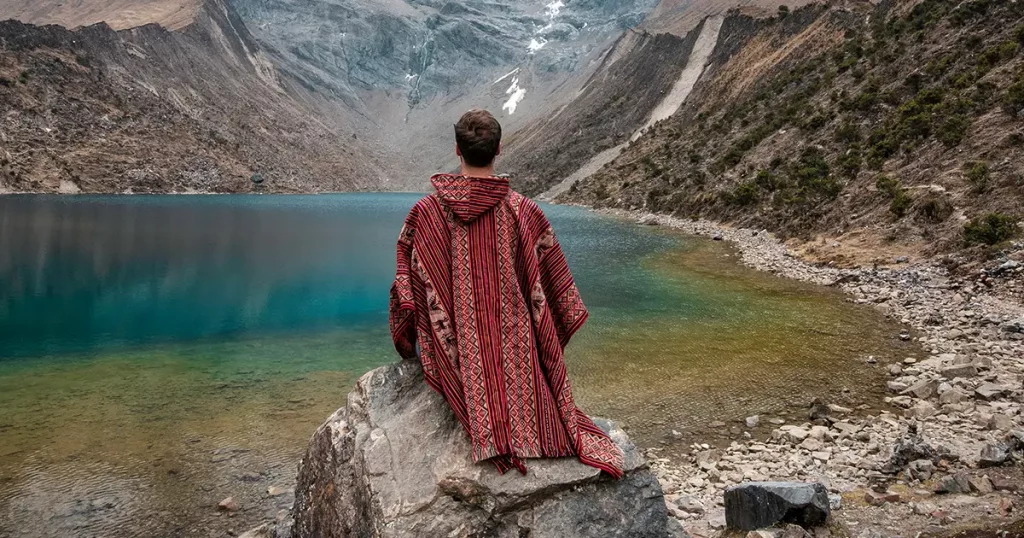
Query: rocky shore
(937, 457)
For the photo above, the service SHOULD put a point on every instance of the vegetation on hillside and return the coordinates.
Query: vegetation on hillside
(909, 126)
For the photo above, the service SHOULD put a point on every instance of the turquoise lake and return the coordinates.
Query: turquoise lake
(160, 353)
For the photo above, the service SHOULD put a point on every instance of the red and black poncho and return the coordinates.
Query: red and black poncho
(484, 288)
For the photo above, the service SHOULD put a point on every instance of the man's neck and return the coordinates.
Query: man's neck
(472, 171)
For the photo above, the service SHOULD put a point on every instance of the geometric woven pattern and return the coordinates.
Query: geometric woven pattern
(484, 291)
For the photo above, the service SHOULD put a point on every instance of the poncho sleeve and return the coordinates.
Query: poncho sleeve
(560, 292)
(402, 305)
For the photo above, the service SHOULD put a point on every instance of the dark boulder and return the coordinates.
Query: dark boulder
(757, 505)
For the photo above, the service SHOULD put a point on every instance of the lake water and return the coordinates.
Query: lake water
(158, 354)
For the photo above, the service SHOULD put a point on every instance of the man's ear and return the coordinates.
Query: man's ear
(458, 151)
(500, 146)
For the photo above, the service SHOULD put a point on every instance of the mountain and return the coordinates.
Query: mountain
(195, 105)
(409, 68)
(643, 78)
(875, 130)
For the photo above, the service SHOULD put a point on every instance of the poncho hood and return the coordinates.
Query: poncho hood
(470, 197)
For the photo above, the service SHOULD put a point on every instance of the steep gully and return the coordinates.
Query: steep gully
(695, 67)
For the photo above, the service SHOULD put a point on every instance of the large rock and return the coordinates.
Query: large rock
(396, 463)
(757, 505)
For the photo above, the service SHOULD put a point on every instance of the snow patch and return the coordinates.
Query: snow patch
(517, 94)
(554, 8)
(552, 11)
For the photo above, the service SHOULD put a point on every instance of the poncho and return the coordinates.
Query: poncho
(484, 289)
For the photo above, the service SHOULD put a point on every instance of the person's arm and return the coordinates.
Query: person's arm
(402, 306)
(560, 291)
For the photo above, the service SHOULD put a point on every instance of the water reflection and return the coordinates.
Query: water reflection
(87, 273)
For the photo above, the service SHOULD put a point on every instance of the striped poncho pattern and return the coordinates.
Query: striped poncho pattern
(483, 288)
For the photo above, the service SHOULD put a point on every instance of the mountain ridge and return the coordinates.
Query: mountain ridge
(873, 132)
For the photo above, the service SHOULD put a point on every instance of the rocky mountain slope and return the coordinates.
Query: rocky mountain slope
(410, 68)
(644, 77)
(148, 109)
(891, 129)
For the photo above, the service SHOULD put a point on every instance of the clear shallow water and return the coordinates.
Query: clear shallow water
(158, 354)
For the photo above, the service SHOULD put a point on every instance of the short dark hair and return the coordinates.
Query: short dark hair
(478, 136)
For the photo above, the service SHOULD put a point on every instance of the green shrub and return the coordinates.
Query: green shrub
(978, 175)
(767, 181)
(997, 54)
(849, 162)
(935, 209)
(901, 203)
(888, 185)
(744, 194)
(783, 11)
(991, 229)
(1014, 100)
(1020, 34)
(953, 129)
(847, 133)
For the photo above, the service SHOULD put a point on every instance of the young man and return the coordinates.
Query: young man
(484, 291)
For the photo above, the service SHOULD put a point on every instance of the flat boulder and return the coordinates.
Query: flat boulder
(756, 505)
(395, 463)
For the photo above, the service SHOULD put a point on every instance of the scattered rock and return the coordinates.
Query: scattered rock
(794, 531)
(954, 484)
(753, 421)
(228, 505)
(1001, 422)
(1000, 483)
(758, 505)
(962, 370)
(910, 447)
(690, 505)
(990, 391)
(275, 491)
(981, 485)
(875, 498)
(250, 477)
(921, 469)
(924, 389)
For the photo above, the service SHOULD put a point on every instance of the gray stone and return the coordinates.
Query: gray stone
(955, 484)
(228, 505)
(923, 389)
(921, 469)
(952, 397)
(690, 505)
(756, 505)
(990, 391)
(1001, 422)
(962, 370)
(993, 455)
(753, 421)
(395, 463)
(981, 485)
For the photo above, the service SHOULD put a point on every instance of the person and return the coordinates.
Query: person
(484, 298)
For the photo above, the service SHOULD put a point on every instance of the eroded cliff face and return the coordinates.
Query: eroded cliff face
(410, 68)
(879, 131)
(148, 109)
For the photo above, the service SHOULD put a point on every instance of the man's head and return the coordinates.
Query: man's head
(478, 138)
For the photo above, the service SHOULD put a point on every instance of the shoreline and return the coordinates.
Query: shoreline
(973, 334)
